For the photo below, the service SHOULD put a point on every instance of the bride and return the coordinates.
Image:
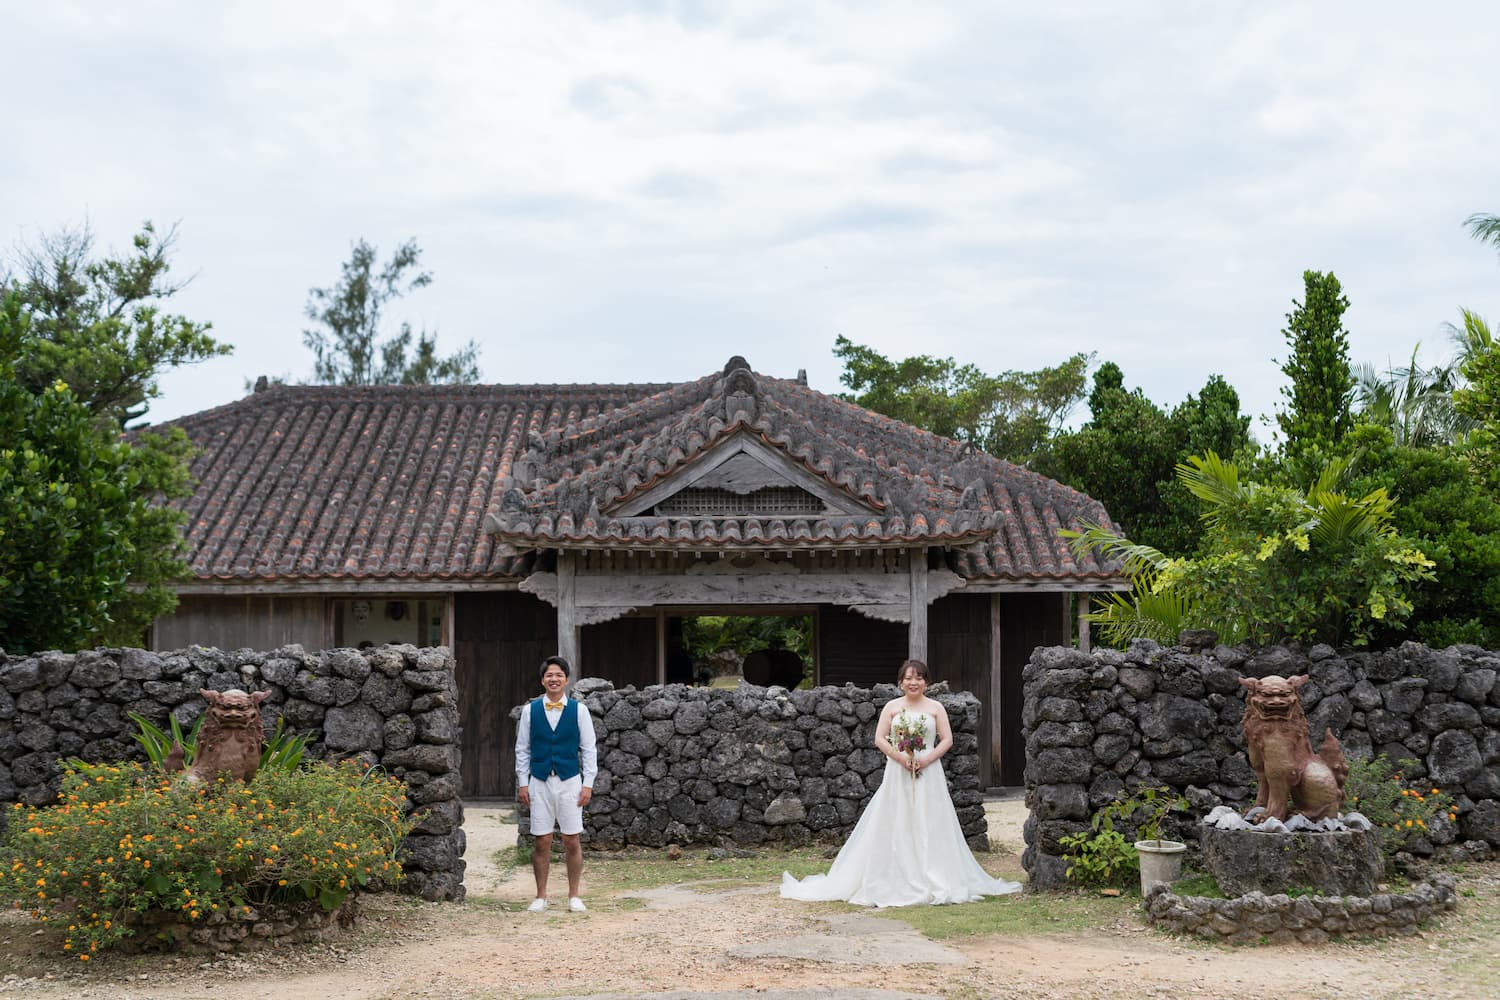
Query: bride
(908, 847)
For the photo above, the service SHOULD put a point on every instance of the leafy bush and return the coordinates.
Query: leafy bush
(1401, 811)
(122, 840)
(1103, 855)
(1450, 514)
(1275, 563)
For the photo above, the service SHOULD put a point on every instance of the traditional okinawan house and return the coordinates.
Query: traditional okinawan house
(512, 522)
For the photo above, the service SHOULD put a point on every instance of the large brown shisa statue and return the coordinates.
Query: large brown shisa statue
(1292, 778)
(230, 740)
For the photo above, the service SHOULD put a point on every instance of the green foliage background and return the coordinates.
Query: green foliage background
(86, 554)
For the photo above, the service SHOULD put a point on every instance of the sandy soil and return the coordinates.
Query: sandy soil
(748, 939)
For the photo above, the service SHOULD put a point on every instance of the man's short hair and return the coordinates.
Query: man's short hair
(561, 661)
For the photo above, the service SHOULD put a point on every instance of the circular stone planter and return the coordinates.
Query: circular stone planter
(1342, 863)
(1161, 862)
(1257, 918)
(239, 929)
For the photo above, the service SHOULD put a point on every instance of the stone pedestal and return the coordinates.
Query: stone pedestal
(1346, 863)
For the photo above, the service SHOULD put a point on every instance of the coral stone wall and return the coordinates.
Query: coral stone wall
(1103, 723)
(393, 706)
(693, 765)
(1281, 919)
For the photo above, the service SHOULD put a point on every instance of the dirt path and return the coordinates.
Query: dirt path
(747, 940)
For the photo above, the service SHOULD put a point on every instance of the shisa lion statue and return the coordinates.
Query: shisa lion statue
(1292, 778)
(230, 740)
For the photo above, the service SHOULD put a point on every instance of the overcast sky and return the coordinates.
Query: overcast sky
(615, 193)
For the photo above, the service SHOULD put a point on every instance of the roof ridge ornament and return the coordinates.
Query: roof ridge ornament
(741, 392)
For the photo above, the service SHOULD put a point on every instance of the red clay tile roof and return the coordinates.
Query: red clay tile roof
(303, 483)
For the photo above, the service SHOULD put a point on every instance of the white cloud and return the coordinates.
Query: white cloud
(613, 193)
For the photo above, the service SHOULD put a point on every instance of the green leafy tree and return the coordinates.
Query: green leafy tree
(1450, 515)
(347, 350)
(1211, 421)
(1479, 400)
(100, 323)
(1275, 563)
(1322, 388)
(1011, 415)
(1123, 457)
(85, 555)
(1126, 455)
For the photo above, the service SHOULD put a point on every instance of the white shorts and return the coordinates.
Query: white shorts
(554, 802)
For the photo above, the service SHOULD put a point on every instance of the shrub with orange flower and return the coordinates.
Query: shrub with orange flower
(1402, 811)
(124, 840)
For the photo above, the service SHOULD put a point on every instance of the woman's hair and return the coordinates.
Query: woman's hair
(918, 666)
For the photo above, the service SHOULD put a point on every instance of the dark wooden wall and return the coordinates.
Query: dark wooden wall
(499, 641)
(622, 652)
(958, 651)
(1026, 622)
(853, 649)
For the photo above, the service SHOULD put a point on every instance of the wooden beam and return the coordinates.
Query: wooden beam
(643, 590)
(994, 709)
(1083, 623)
(385, 587)
(916, 632)
(661, 646)
(567, 611)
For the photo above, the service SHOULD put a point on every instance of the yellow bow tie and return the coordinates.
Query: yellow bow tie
(550, 705)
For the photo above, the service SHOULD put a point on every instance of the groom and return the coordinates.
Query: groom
(556, 761)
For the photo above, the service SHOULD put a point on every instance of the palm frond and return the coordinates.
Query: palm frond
(1134, 558)
(1215, 482)
(1485, 228)
(1141, 614)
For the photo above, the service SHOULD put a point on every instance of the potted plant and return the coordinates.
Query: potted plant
(1161, 860)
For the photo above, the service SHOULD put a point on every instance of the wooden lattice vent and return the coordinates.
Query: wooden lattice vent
(770, 501)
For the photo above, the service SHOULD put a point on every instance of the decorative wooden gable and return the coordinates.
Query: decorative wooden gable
(742, 477)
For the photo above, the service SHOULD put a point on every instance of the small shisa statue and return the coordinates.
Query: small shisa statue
(230, 740)
(1292, 778)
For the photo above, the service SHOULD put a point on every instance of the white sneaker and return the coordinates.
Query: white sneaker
(576, 905)
(537, 906)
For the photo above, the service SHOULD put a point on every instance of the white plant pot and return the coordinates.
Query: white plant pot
(1161, 861)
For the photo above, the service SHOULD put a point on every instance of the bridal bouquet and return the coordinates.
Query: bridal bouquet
(908, 738)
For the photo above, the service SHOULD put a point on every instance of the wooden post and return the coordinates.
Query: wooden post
(661, 646)
(1083, 622)
(994, 709)
(916, 635)
(567, 630)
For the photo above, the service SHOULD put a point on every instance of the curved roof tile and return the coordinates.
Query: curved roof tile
(399, 482)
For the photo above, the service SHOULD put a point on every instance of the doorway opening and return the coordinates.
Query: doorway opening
(710, 650)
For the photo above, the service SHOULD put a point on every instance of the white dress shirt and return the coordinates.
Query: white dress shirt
(588, 756)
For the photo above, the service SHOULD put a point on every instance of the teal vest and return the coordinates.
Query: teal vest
(554, 750)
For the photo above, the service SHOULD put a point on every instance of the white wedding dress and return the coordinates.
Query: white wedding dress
(907, 848)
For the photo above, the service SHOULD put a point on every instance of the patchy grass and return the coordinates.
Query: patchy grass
(632, 871)
(1198, 884)
(1471, 933)
(1022, 913)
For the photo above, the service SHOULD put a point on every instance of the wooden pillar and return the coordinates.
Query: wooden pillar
(916, 634)
(1083, 622)
(994, 713)
(661, 646)
(567, 616)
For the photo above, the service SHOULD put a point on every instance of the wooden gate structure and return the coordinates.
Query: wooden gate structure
(528, 520)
